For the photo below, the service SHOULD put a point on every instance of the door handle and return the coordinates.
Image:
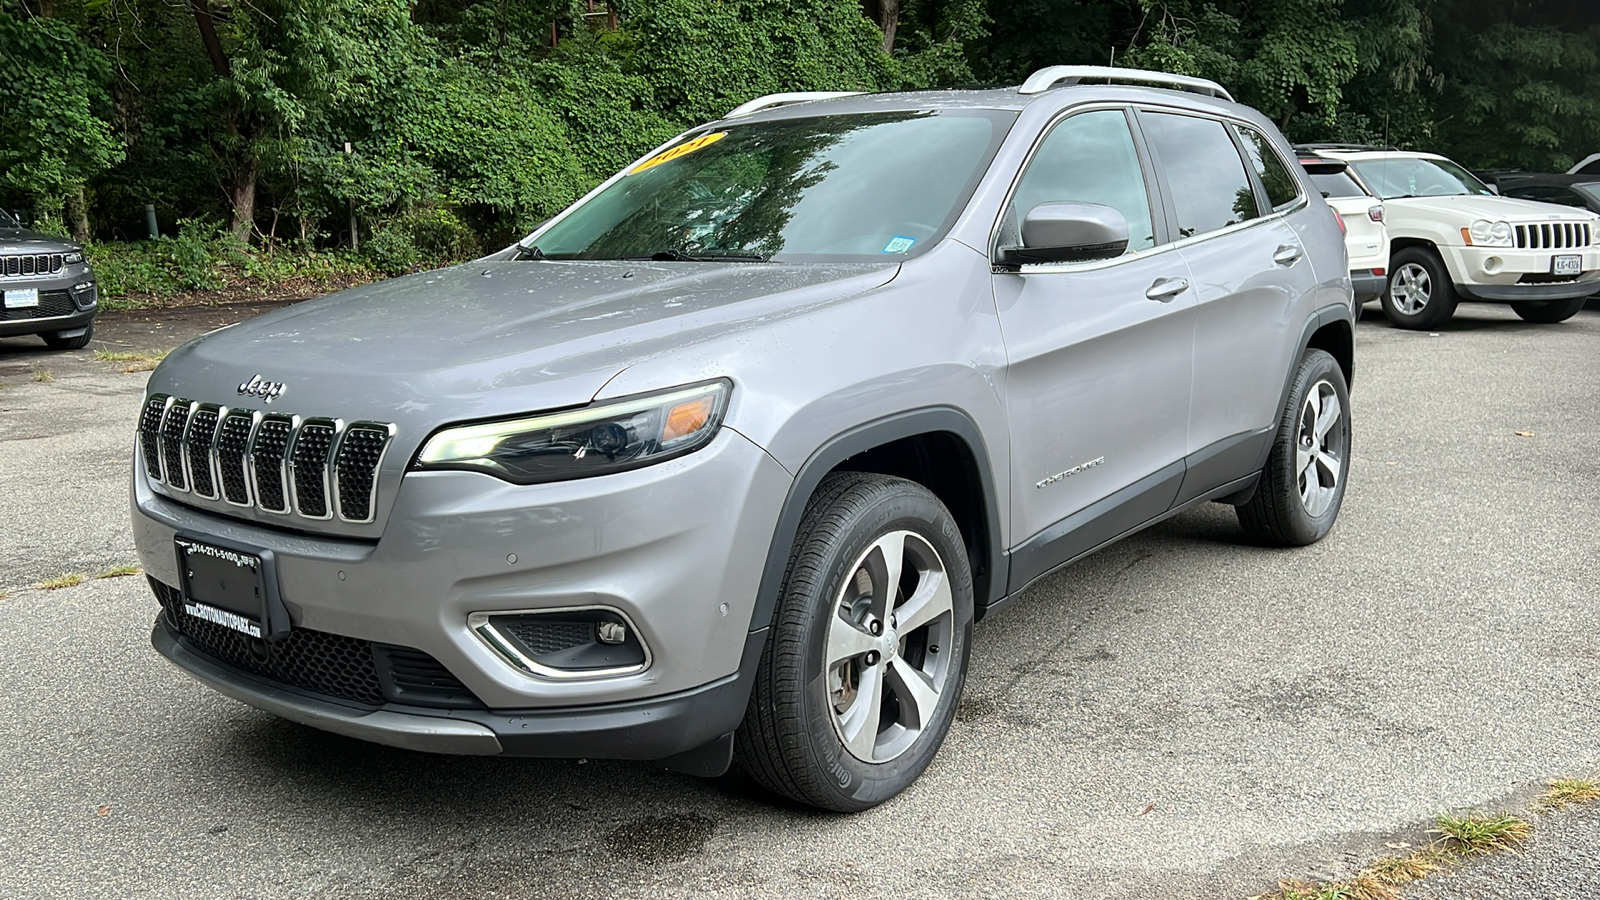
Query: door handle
(1166, 288)
(1286, 255)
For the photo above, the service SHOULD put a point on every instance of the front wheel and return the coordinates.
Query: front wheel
(55, 341)
(1420, 294)
(860, 677)
(1302, 487)
(1548, 312)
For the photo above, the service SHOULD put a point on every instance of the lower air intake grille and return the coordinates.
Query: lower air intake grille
(317, 662)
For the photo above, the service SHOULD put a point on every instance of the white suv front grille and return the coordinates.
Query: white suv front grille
(1554, 236)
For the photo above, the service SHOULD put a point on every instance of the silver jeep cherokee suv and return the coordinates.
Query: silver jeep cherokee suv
(725, 460)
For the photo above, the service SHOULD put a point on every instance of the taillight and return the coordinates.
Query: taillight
(1375, 214)
(1340, 219)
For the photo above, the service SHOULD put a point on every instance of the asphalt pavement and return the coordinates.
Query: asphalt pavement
(1180, 715)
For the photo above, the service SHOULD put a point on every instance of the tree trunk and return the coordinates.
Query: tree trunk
(886, 14)
(242, 194)
(77, 215)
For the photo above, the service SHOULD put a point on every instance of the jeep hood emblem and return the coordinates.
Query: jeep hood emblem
(266, 390)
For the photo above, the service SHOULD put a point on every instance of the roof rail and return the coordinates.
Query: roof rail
(771, 100)
(1047, 78)
(1338, 146)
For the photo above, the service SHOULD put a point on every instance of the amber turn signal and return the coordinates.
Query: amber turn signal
(687, 418)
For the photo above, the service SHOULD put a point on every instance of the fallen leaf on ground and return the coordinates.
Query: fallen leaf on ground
(1147, 808)
(1523, 433)
(102, 811)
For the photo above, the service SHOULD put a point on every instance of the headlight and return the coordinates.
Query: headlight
(597, 440)
(1485, 233)
(73, 257)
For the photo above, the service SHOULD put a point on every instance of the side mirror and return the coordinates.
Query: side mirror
(1068, 232)
(1493, 188)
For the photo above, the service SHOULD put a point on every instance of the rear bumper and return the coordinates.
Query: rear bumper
(653, 729)
(1368, 286)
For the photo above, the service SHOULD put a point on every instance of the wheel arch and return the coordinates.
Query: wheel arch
(1330, 329)
(940, 448)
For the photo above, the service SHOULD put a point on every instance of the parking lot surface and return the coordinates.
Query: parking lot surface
(1179, 715)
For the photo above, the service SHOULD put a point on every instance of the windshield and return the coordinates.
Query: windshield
(836, 188)
(1413, 176)
(1589, 188)
(7, 220)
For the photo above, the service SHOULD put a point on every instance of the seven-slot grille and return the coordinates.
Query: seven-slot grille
(1554, 236)
(313, 468)
(17, 265)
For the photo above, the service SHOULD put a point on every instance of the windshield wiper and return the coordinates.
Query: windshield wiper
(675, 254)
(529, 253)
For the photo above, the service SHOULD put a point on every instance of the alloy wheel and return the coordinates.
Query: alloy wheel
(887, 651)
(1320, 449)
(1411, 288)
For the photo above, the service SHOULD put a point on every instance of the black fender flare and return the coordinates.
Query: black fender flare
(987, 589)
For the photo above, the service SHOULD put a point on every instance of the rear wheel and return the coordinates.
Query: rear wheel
(1548, 312)
(860, 677)
(1420, 294)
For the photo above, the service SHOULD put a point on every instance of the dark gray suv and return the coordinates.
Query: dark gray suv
(46, 287)
(722, 464)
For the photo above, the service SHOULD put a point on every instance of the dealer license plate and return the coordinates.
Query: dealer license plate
(22, 298)
(222, 586)
(1567, 265)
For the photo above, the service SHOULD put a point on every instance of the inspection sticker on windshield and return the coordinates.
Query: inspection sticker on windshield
(899, 244)
(683, 149)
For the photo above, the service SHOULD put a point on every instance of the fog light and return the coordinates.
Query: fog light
(84, 294)
(1493, 264)
(586, 642)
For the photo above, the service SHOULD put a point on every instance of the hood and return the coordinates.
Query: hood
(491, 338)
(21, 240)
(1496, 208)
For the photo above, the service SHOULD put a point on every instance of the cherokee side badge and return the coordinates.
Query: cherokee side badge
(1069, 473)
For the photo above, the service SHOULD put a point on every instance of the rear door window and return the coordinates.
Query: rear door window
(1204, 171)
(1281, 186)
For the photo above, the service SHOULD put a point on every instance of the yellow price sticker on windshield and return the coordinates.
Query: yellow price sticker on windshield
(683, 149)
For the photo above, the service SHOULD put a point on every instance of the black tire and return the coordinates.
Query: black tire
(1548, 312)
(1402, 303)
(55, 341)
(1279, 514)
(791, 739)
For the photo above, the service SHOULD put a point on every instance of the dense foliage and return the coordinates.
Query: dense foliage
(467, 121)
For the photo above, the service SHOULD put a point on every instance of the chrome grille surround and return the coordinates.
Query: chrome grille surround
(314, 468)
(1554, 236)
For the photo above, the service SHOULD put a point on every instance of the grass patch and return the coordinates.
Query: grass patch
(120, 572)
(1401, 869)
(1564, 792)
(43, 376)
(132, 361)
(72, 579)
(1475, 834)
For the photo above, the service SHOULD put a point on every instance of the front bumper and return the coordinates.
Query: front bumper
(1503, 274)
(60, 308)
(678, 548)
(655, 729)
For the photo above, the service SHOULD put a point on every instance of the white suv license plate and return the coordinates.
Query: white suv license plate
(1567, 265)
(22, 299)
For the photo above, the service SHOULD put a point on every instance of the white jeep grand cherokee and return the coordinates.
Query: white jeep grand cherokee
(1451, 239)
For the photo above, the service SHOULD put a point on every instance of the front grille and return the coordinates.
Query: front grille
(317, 662)
(51, 305)
(313, 468)
(17, 265)
(1554, 236)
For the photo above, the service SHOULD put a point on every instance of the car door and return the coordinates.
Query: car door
(1232, 197)
(1099, 354)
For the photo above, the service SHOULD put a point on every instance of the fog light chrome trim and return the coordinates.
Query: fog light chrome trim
(480, 624)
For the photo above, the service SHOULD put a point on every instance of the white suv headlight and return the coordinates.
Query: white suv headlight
(1485, 233)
